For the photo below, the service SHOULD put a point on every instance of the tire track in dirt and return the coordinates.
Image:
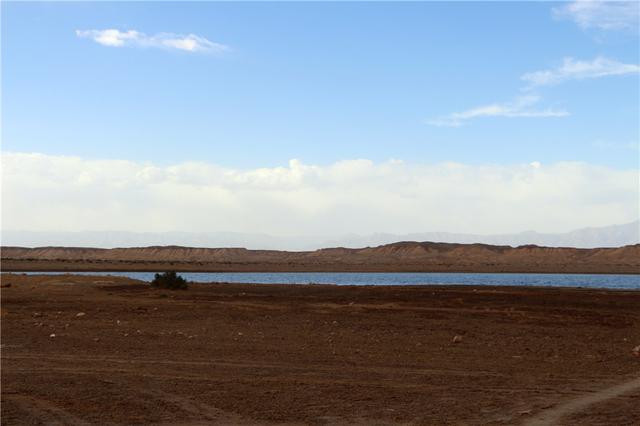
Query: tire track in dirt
(245, 365)
(553, 415)
(204, 378)
(309, 380)
(45, 411)
(199, 411)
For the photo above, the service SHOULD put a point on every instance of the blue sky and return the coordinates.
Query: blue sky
(320, 118)
(320, 82)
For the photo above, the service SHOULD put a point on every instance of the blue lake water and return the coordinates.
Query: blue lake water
(629, 282)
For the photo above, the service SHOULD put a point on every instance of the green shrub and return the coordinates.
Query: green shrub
(169, 280)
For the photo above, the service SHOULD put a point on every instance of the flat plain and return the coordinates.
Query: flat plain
(111, 350)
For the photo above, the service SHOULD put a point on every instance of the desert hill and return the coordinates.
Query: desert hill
(402, 256)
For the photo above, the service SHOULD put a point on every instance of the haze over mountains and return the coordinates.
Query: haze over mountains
(608, 236)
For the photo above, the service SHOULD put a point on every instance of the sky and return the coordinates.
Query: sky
(320, 118)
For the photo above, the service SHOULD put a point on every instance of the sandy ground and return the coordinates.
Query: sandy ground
(124, 353)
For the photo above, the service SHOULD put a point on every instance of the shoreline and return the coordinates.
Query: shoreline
(470, 286)
(243, 268)
(106, 271)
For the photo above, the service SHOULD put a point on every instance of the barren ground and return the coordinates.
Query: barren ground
(256, 354)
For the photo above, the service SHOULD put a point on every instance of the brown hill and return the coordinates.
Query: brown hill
(402, 256)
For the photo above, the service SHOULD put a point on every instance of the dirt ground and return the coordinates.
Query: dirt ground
(107, 350)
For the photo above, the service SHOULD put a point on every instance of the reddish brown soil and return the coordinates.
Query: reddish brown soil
(397, 257)
(609, 412)
(256, 354)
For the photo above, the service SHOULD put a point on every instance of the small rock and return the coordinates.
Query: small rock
(52, 335)
(97, 339)
(37, 314)
(80, 314)
(457, 338)
(636, 351)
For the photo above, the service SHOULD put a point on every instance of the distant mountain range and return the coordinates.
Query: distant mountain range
(608, 236)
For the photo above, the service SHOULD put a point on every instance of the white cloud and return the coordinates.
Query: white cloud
(604, 15)
(521, 107)
(572, 69)
(132, 38)
(46, 193)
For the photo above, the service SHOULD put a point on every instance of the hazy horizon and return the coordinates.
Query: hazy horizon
(611, 236)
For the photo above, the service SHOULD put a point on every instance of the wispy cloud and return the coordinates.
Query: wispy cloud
(521, 107)
(604, 15)
(170, 41)
(572, 69)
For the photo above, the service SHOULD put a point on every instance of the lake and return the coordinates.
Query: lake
(609, 281)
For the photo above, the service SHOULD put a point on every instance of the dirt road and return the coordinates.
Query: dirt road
(581, 404)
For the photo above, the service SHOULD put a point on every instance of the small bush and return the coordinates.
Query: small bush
(169, 280)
